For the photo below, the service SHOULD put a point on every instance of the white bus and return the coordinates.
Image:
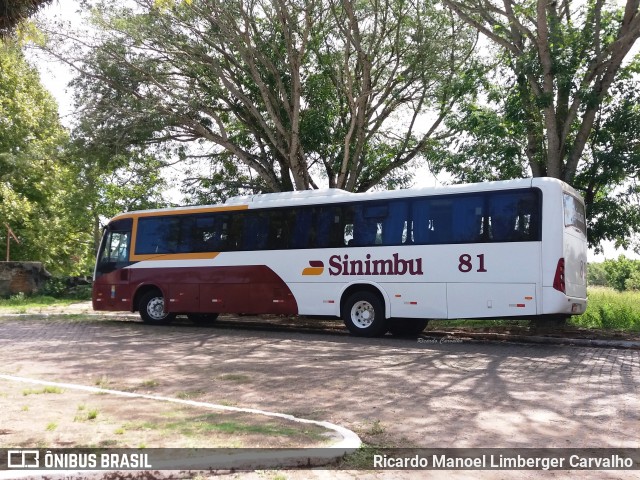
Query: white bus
(382, 261)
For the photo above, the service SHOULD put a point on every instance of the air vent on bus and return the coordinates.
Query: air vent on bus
(558, 280)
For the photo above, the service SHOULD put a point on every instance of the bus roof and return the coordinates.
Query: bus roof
(334, 195)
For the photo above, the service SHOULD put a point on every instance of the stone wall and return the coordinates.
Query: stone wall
(16, 277)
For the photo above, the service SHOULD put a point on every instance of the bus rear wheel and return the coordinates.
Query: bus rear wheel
(363, 314)
(152, 309)
(407, 327)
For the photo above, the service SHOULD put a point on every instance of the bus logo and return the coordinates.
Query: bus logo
(316, 267)
(342, 265)
(23, 459)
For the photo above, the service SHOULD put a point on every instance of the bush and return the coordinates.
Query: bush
(64, 287)
(633, 282)
(609, 309)
(620, 270)
(597, 275)
(54, 287)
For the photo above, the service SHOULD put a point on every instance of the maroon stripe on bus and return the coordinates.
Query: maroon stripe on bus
(248, 289)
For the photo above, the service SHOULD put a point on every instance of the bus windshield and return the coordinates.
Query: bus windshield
(114, 249)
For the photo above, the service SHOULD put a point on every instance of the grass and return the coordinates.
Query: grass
(205, 425)
(235, 377)
(102, 382)
(361, 459)
(31, 391)
(376, 428)
(37, 301)
(190, 394)
(609, 309)
(84, 415)
(435, 324)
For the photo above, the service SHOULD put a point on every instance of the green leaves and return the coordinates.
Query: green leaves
(563, 105)
(295, 92)
(15, 11)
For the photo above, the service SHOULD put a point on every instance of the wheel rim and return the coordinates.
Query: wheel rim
(362, 314)
(155, 308)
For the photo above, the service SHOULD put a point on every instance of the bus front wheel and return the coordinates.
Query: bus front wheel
(363, 314)
(152, 309)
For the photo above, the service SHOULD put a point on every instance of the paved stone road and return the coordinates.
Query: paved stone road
(405, 392)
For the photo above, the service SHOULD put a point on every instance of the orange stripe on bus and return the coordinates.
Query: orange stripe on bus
(313, 271)
(176, 256)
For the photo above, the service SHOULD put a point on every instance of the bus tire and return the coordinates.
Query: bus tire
(152, 310)
(202, 318)
(363, 314)
(407, 327)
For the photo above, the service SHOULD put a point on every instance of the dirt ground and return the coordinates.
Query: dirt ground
(392, 393)
(37, 416)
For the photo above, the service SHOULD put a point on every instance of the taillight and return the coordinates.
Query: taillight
(558, 280)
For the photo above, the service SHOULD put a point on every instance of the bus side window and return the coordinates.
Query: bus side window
(279, 229)
(255, 231)
(187, 238)
(231, 232)
(328, 232)
(369, 220)
(203, 234)
(467, 219)
(421, 223)
(395, 223)
(503, 210)
(514, 217)
(157, 235)
(348, 226)
(301, 232)
(574, 214)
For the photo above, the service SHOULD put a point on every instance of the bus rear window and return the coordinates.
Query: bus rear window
(574, 214)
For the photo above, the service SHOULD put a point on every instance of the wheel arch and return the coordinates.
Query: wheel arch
(366, 287)
(141, 290)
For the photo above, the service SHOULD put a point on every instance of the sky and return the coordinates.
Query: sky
(55, 77)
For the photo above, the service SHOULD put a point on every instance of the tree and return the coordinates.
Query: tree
(609, 175)
(597, 275)
(113, 181)
(560, 103)
(13, 12)
(564, 57)
(491, 145)
(623, 273)
(286, 91)
(37, 191)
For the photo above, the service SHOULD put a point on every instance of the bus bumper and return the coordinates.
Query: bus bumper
(556, 302)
